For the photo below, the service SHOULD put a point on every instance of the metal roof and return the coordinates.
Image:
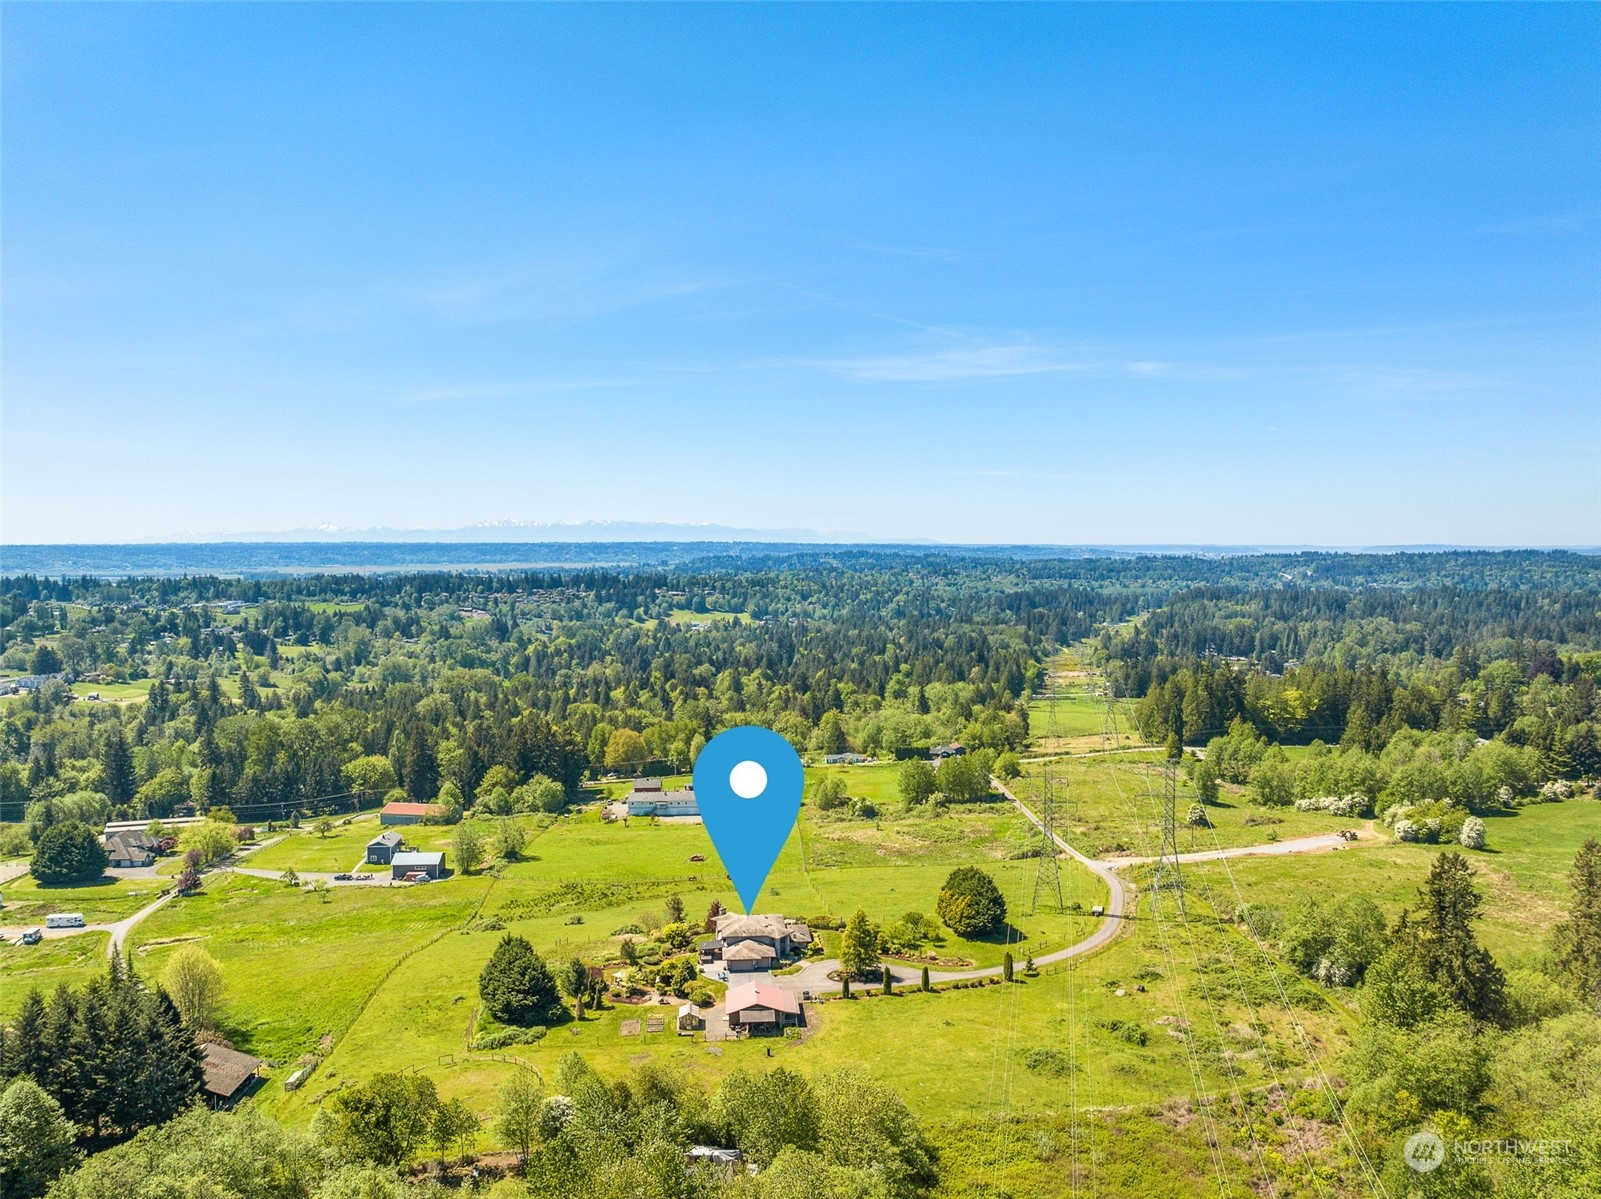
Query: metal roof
(759, 994)
(413, 858)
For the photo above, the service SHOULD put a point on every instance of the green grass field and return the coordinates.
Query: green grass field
(69, 960)
(1111, 805)
(134, 692)
(27, 902)
(375, 979)
(1522, 875)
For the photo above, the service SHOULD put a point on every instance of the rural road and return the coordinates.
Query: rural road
(1292, 845)
(814, 976)
(120, 929)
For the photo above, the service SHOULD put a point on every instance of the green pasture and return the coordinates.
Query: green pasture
(105, 902)
(1112, 805)
(971, 1042)
(70, 960)
(116, 693)
(300, 965)
(879, 782)
(1522, 874)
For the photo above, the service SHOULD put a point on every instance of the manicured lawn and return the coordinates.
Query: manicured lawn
(135, 691)
(303, 849)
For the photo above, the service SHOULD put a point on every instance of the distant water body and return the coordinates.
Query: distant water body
(266, 559)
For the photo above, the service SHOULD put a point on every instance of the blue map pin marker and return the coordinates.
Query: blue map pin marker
(748, 783)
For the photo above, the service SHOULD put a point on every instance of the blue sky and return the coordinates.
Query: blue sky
(1101, 274)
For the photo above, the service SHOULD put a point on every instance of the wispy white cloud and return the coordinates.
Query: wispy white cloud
(993, 361)
(515, 390)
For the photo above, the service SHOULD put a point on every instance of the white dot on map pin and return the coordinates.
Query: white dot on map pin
(747, 779)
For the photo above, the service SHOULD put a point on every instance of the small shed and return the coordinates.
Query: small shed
(383, 847)
(413, 862)
(401, 812)
(228, 1074)
(689, 1020)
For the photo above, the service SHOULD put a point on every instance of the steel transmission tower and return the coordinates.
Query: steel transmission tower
(1048, 874)
(1167, 864)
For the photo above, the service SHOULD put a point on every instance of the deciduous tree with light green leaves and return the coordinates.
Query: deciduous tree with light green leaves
(455, 1126)
(371, 772)
(194, 980)
(625, 751)
(385, 1119)
(858, 945)
(517, 1111)
(916, 781)
(36, 1140)
(210, 841)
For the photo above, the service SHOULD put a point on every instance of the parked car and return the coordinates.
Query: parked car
(33, 936)
(362, 878)
(342, 878)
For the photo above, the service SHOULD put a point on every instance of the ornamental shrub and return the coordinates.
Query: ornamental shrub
(515, 985)
(970, 904)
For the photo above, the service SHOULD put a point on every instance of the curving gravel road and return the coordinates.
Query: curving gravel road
(813, 976)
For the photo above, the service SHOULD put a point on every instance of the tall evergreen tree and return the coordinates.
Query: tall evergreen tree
(114, 1054)
(421, 776)
(1446, 949)
(1578, 938)
(117, 779)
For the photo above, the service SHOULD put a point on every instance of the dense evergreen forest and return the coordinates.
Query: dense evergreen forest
(271, 695)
